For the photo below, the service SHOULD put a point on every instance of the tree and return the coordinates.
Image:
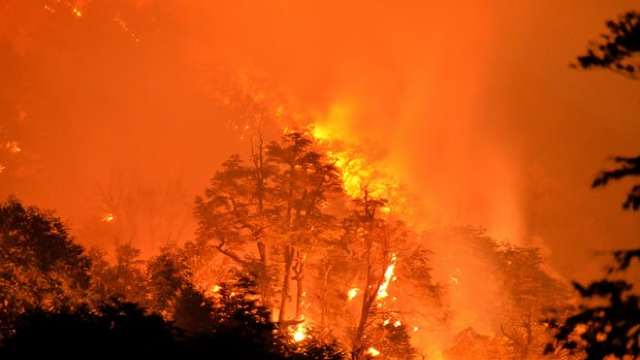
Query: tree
(391, 338)
(620, 45)
(532, 294)
(125, 280)
(275, 204)
(168, 277)
(607, 323)
(40, 265)
(234, 212)
(369, 239)
(629, 166)
(304, 182)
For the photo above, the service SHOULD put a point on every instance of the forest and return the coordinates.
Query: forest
(304, 247)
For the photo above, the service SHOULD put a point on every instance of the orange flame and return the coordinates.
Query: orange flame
(388, 276)
(108, 218)
(373, 352)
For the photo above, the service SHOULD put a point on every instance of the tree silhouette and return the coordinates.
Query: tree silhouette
(607, 323)
(621, 43)
(275, 204)
(39, 263)
(234, 212)
(167, 276)
(125, 280)
(629, 166)
(305, 180)
(119, 330)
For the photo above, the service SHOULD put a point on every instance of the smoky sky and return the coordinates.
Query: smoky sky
(472, 103)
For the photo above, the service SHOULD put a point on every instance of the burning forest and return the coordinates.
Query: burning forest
(302, 181)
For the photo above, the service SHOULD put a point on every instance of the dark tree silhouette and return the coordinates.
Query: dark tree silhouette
(39, 263)
(620, 45)
(167, 276)
(607, 323)
(629, 166)
(122, 330)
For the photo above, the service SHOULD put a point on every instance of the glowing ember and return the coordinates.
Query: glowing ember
(108, 218)
(2, 167)
(352, 293)
(373, 352)
(77, 12)
(300, 333)
(12, 147)
(215, 289)
(415, 328)
(397, 323)
(388, 275)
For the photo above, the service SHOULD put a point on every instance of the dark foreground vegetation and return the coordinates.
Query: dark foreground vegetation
(52, 306)
(607, 323)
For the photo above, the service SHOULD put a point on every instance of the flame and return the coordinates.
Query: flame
(359, 171)
(108, 218)
(388, 276)
(373, 352)
(300, 332)
(397, 323)
(12, 147)
(215, 289)
(352, 293)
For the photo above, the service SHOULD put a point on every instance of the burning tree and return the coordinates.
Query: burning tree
(306, 179)
(234, 212)
(275, 203)
(369, 242)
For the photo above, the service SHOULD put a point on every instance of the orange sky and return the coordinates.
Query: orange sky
(471, 102)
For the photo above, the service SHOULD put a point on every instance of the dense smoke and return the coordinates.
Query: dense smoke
(122, 110)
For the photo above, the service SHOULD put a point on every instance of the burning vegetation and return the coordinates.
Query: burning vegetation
(305, 245)
(319, 268)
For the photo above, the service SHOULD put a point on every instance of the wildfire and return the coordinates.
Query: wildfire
(358, 171)
(388, 276)
(352, 293)
(373, 352)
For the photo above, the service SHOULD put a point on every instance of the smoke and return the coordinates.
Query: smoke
(471, 107)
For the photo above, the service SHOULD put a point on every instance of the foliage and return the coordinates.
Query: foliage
(620, 45)
(629, 166)
(40, 265)
(125, 280)
(607, 323)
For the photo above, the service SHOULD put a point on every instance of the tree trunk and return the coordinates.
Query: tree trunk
(298, 271)
(284, 296)
(263, 274)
